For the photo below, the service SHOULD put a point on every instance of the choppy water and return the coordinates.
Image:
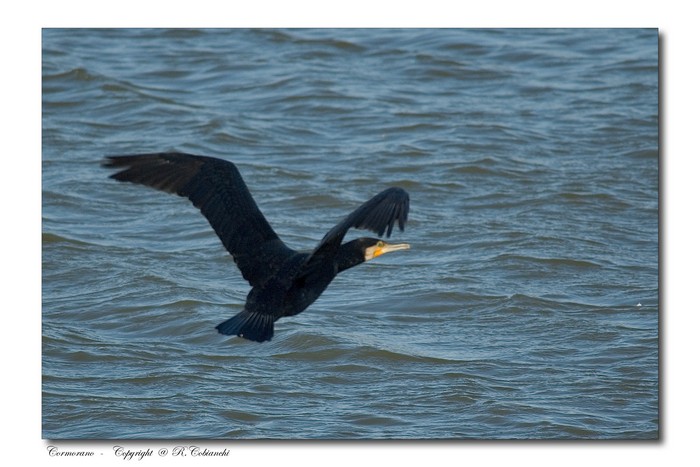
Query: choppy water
(526, 308)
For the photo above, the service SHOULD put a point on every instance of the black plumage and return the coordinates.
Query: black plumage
(284, 282)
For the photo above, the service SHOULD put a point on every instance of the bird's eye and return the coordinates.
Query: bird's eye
(380, 244)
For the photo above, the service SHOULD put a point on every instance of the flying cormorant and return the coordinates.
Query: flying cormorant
(284, 282)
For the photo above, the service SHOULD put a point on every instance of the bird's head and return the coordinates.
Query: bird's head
(364, 249)
(373, 247)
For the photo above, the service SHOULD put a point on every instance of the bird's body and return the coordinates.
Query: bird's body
(284, 282)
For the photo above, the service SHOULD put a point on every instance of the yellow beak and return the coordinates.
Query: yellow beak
(382, 248)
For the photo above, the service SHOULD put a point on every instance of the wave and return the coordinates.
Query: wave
(554, 262)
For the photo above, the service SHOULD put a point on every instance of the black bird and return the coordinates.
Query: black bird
(285, 282)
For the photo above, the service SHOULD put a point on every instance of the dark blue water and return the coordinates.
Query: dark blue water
(526, 308)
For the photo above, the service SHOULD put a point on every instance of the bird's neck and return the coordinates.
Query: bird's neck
(348, 256)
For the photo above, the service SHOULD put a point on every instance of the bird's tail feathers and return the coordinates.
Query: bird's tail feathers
(250, 325)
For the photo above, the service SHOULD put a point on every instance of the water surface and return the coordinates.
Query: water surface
(526, 308)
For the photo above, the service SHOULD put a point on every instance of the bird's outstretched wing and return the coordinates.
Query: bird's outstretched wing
(377, 215)
(216, 187)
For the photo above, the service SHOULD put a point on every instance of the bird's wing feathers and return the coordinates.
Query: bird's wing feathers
(377, 215)
(215, 187)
